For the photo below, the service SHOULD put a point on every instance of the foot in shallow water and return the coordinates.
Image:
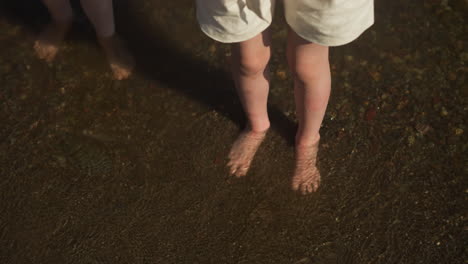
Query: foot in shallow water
(49, 40)
(306, 176)
(243, 151)
(120, 60)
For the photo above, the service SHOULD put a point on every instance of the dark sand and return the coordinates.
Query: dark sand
(101, 171)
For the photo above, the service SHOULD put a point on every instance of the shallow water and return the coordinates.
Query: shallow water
(101, 171)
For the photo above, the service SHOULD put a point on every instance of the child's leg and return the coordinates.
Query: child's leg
(250, 72)
(312, 82)
(249, 67)
(101, 15)
(49, 40)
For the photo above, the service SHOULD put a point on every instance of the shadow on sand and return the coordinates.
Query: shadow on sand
(157, 58)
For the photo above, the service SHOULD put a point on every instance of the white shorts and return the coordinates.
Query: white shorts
(325, 22)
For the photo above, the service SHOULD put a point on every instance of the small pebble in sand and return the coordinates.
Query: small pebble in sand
(281, 74)
(458, 131)
(443, 112)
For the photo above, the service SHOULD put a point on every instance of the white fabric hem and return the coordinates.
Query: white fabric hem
(231, 38)
(330, 41)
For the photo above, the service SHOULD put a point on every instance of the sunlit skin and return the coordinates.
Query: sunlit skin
(312, 84)
(306, 177)
(101, 16)
(120, 60)
(49, 40)
(243, 150)
(250, 73)
(311, 71)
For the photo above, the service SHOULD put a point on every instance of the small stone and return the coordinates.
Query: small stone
(411, 140)
(375, 75)
(281, 74)
(458, 131)
(443, 112)
(397, 60)
(402, 104)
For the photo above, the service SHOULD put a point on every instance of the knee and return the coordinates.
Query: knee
(306, 71)
(253, 64)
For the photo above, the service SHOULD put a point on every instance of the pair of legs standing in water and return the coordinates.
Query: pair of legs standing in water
(331, 22)
(313, 25)
(309, 65)
(101, 15)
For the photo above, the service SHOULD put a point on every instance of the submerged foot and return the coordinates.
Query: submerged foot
(49, 40)
(243, 151)
(120, 60)
(306, 176)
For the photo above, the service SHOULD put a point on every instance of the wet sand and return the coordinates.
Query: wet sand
(101, 171)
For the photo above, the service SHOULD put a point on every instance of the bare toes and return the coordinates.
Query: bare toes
(243, 151)
(241, 171)
(306, 176)
(232, 169)
(295, 184)
(118, 56)
(120, 72)
(49, 40)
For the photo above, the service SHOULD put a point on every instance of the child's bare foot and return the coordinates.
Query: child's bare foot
(306, 177)
(49, 40)
(120, 60)
(243, 151)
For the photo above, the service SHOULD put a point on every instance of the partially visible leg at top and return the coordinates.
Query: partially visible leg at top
(312, 83)
(101, 15)
(49, 40)
(249, 67)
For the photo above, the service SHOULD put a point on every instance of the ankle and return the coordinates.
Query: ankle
(258, 127)
(305, 142)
